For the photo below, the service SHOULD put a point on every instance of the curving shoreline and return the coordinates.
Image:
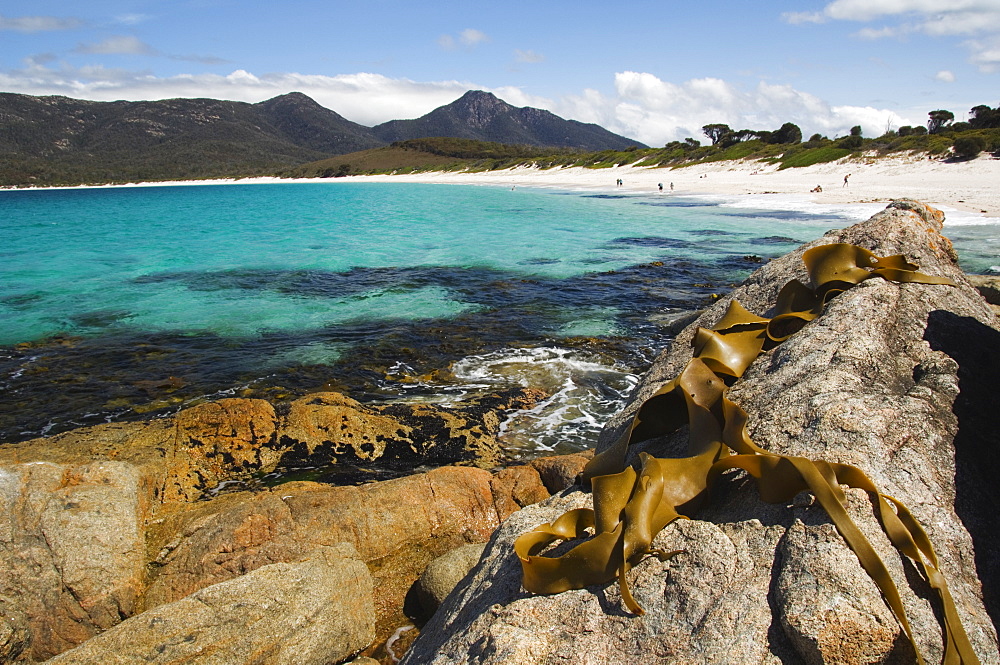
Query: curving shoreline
(967, 186)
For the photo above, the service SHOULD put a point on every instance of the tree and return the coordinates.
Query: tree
(938, 120)
(856, 130)
(787, 133)
(716, 131)
(983, 117)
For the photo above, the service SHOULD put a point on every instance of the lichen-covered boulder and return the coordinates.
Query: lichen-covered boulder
(896, 379)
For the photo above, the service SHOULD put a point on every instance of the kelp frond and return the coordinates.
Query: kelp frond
(632, 506)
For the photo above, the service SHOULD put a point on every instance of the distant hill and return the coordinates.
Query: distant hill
(53, 140)
(59, 140)
(482, 116)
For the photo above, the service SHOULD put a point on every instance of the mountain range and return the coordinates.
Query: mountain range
(59, 140)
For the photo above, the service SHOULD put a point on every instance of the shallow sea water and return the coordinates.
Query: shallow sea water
(119, 303)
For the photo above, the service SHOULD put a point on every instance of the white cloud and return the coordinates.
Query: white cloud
(470, 37)
(38, 23)
(642, 105)
(528, 56)
(796, 18)
(944, 76)
(986, 54)
(119, 45)
(879, 33)
(364, 98)
(954, 18)
(656, 111)
(133, 19)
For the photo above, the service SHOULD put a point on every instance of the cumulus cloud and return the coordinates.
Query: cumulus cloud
(38, 23)
(977, 20)
(119, 45)
(944, 76)
(656, 111)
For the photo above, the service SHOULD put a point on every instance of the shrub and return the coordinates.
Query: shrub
(814, 156)
(969, 147)
(852, 142)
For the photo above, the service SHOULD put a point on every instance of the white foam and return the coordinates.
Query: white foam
(583, 392)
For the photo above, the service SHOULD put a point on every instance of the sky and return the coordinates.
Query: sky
(652, 71)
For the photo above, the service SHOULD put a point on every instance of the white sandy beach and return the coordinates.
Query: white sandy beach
(972, 186)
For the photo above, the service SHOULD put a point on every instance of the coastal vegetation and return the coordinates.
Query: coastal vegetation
(942, 138)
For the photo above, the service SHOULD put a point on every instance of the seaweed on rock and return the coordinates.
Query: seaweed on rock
(631, 506)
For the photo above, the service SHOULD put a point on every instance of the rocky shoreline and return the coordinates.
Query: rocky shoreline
(151, 542)
(120, 530)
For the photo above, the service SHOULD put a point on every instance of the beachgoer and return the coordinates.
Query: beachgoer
(845, 179)
(671, 187)
(660, 185)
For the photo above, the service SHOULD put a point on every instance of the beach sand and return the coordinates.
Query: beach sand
(968, 186)
(971, 186)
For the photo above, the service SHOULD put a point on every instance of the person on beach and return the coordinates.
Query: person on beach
(671, 187)
(660, 185)
(845, 179)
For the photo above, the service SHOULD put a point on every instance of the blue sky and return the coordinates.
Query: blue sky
(654, 71)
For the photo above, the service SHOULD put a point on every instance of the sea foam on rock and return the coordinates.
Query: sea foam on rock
(897, 379)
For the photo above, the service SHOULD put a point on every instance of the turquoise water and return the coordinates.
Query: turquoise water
(220, 258)
(120, 302)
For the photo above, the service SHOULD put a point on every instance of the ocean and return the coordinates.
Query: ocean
(134, 302)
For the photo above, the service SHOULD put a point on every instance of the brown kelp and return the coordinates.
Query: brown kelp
(632, 505)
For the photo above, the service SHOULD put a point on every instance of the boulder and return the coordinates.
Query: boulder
(560, 471)
(314, 612)
(515, 487)
(897, 379)
(988, 286)
(72, 553)
(444, 573)
(398, 527)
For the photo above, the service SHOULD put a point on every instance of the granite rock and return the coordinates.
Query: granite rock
(444, 573)
(897, 379)
(72, 553)
(314, 612)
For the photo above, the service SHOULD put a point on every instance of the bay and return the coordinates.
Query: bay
(120, 303)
